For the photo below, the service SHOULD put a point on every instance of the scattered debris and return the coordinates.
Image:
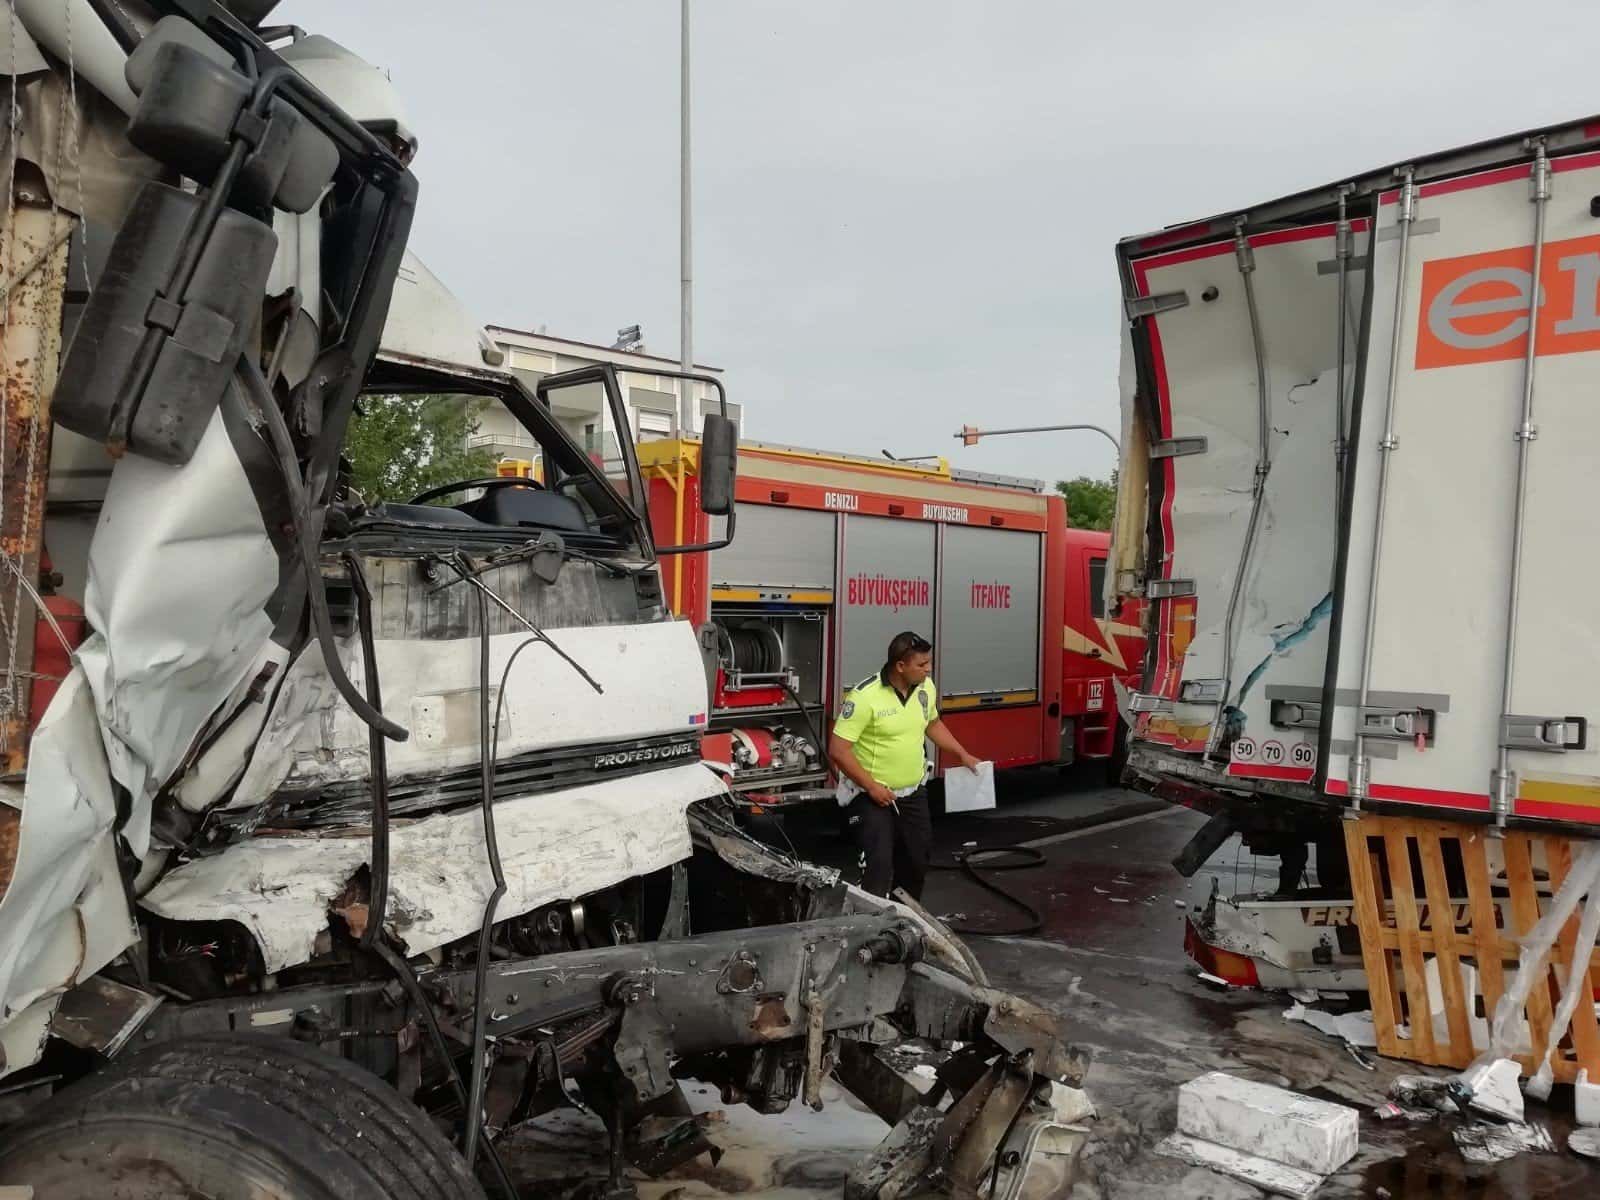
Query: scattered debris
(1355, 1028)
(1428, 1093)
(1585, 1142)
(1586, 1100)
(1493, 1088)
(1180, 904)
(1483, 1143)
(1269, 1122)
(1305, 995)
(1362, 1061)
(1213, 980)
(1118, 900)
(1263, 1173)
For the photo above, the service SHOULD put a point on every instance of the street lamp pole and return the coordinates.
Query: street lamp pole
(970, 434)
(686, 394)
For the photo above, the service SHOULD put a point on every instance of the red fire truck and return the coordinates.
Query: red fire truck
(836, 553)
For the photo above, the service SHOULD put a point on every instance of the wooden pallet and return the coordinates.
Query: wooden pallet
(1471, 954)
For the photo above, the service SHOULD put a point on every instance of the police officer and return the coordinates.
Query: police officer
(877, 748)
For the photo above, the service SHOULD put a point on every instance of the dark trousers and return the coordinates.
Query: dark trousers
(894, 846)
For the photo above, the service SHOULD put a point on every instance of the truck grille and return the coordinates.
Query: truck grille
(350, 803)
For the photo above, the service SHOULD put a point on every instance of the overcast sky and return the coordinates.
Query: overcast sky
(905, 211)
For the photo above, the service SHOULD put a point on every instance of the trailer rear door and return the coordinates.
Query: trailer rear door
(1445, 566)
(1243, 591)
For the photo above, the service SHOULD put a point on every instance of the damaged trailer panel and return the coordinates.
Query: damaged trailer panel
(1361, 426)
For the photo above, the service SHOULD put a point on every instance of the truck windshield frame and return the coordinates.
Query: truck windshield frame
(563, 458)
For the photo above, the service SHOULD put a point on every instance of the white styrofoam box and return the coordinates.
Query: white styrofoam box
(1259, 1172)
(1269, 1122)
(1586, 1100)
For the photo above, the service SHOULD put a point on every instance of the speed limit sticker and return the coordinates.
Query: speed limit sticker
(1271, 759)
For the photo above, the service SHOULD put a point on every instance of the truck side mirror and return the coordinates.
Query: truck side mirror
(719, 454)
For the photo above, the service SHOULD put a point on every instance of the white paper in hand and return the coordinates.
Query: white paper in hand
(967, 790)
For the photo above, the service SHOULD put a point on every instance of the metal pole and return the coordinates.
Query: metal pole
(1504, 791)
(686, 397)
(983, 433)
(1360, 766)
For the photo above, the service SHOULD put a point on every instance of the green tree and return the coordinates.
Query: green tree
(1091, 503)
(401, 445)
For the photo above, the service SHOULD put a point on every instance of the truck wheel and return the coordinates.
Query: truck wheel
(233, 1117)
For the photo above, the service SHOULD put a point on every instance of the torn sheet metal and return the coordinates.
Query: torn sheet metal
(64, 914)
(180, 572)
(552, 846)
(1208, 387)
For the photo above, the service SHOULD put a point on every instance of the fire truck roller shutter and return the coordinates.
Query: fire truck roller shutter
(989, 592)
(887, 588)
(777, 548)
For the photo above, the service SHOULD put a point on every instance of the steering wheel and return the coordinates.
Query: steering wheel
(491, 483)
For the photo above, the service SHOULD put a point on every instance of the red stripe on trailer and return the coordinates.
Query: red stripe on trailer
(1578, 162)
(1433, 797)
(1478, 179)
(1167, 237)
(1267, 771)
(1580, 814)
(1277, 237)
(1158, 363)
(1473, 801)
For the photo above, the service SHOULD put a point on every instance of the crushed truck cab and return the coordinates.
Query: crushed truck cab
(356, 819)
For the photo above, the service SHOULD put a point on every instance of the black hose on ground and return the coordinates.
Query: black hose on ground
(1023, 858)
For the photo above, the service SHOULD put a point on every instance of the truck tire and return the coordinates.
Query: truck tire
(233, 1117)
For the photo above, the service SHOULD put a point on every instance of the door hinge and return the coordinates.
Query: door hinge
(1168, 589)
(1149, 306)
(1549, 735)
(1177, 447)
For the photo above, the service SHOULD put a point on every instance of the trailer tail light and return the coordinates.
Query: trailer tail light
(1233, 969)
(997, 520)
(897, 510)
(779, 497)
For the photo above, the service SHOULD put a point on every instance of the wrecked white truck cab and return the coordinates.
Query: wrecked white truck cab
(352, 821)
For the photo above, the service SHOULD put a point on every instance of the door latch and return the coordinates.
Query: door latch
(1398, 724)
(1550, 735)
(1296, 714)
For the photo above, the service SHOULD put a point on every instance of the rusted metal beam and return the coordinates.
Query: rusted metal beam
(33, 275)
